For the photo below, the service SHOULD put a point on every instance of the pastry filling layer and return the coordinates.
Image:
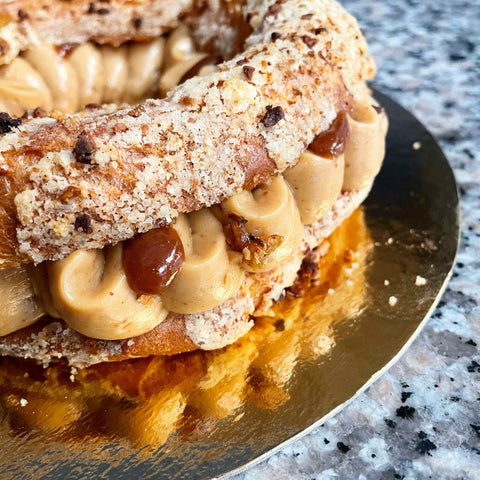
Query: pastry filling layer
(202, 258)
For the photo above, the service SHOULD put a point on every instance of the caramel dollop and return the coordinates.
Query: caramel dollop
(151, 260)
(331, 142)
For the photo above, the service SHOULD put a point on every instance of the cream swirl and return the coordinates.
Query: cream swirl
(365, 148)
(90, 291)
(210, 273)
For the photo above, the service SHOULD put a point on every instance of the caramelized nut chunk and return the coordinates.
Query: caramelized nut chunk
(309, 41)
(83, 222)
(248, 71)
(7, 123)
(22, 14)
(275, 36)
(84, 149)
(273, 116)
(254, 249)
(151, 260)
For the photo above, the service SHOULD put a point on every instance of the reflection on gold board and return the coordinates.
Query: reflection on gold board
(141, 403)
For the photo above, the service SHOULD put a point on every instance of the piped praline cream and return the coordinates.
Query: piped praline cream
(201, 260)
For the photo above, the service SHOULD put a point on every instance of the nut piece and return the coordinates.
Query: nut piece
(7, 123)
(83, 222)
(273, 116)
(84, 149)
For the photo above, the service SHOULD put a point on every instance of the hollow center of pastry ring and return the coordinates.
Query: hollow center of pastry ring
(69, 77)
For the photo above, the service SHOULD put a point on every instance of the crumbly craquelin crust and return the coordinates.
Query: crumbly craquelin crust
(212, 136)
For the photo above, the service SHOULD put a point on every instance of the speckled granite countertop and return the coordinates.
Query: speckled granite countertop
(421, 420)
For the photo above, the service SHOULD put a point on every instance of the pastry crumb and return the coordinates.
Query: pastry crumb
(392, 301)
(23, 402)
(417, 145)
(420, 281)
(386, 283)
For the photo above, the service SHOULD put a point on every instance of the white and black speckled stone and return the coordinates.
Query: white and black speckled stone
(422, 419)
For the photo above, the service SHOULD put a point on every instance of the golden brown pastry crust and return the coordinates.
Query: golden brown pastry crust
(25, 23)
(210, 138)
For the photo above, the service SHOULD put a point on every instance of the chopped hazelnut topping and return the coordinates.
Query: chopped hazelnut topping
(84, 149)
(273, 116)
(137, 111)
(307, 16)
(254, 249)
(119, 128)
(320, 30)
(308, 41)
(22, 14)
(83, 222)
(248, 71)
(275, 36)
(7, 123)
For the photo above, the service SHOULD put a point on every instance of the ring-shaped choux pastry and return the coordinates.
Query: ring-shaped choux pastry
(364, 148)
(270, 210)
(316, 183)
(90, 291)
(210, 273)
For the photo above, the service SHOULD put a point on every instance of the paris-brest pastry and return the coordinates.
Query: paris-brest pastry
(167, 166)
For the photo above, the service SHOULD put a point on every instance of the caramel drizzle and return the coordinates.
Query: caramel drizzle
(331, 143)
